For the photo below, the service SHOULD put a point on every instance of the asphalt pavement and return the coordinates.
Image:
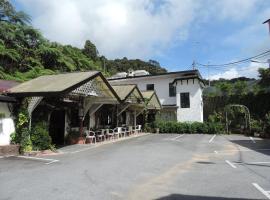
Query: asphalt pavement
(163, 166)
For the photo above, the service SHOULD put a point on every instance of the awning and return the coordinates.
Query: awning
(151, 100)
(86, 84)
(129, 93)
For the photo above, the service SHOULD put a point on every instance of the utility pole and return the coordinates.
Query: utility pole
(267, 22)
(208, 74)
(194, 65)
(104, 67)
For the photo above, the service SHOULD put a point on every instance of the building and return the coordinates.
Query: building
(71, 103)
(180, 93)
(7, 126)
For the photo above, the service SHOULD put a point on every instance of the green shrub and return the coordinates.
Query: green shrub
(215, 128)
(40, 137)
(267, 123)
(256, 126)
(25, 142)
(14, 138)
(189, 127)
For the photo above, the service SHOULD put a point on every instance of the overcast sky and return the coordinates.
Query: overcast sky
(173, 32)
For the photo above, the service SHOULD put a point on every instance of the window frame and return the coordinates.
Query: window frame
(185, 100)
(172, 90)
(151, 85)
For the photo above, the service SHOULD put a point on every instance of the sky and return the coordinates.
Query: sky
(173, 32)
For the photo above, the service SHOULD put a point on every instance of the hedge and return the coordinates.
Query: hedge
(192, 127)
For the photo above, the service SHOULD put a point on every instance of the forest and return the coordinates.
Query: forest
(25, 53)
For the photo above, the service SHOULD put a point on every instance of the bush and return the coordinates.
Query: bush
(215, 128)
(40, 137)
(192, 127)
(256, 126)
(25, 141)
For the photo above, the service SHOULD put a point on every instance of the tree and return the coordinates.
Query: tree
(225, 88)
(8, 13)
(264, 74)
(154, 62)
(90, 50)
(240, 88)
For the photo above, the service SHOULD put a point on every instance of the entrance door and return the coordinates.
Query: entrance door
(57, 127)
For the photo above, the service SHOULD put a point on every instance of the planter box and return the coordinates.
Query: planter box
(79, 140)
(9, 150)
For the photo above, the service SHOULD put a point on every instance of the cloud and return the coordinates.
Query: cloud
(131, 28)
(251, 72)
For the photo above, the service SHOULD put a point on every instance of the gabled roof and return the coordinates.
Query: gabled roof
(125, 91)
(152, 100)
(59, 84)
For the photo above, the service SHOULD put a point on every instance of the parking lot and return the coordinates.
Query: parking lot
(164, 166)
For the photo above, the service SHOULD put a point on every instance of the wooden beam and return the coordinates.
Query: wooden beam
(94, 108)
(125, 106)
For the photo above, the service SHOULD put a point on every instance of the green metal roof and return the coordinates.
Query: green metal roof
(60, 84)
(53, 83)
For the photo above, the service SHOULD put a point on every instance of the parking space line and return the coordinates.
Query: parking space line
(51, 162)
(212, 138)
(250, 163)
(178, 137)
(231, 164)
(252, 139)
(265, 193)
(42, 159)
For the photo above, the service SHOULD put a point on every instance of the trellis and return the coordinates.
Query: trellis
(33, 103)
(247, 116)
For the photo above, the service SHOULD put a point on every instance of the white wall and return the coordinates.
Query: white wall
(161, 86)
(195, 112)
(7, 125)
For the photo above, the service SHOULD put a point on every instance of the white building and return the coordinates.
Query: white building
(180, 93)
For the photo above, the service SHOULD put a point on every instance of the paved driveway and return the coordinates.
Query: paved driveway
(201, 167)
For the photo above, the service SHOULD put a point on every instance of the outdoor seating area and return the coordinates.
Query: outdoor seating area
(103, 135)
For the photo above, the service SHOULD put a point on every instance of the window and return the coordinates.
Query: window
(172, 90)
(184, 98)
(150, 87)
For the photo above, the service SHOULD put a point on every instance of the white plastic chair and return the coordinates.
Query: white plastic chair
(90, 135)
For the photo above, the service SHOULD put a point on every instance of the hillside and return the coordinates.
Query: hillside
(26, 54)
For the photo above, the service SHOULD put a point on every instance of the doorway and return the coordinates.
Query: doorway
(57, 127)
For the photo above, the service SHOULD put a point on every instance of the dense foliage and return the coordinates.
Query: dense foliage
(240, 86)
(40, 137)
(26, 54)
(194, 127)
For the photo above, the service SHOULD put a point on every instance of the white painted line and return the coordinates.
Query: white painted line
(85, 149)
(175, 138)
(252, 163)
(36, 158)
(251, 138)
(216, 152)
(51, 162)
(229, 163)
(212, 138)
(265, 193)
